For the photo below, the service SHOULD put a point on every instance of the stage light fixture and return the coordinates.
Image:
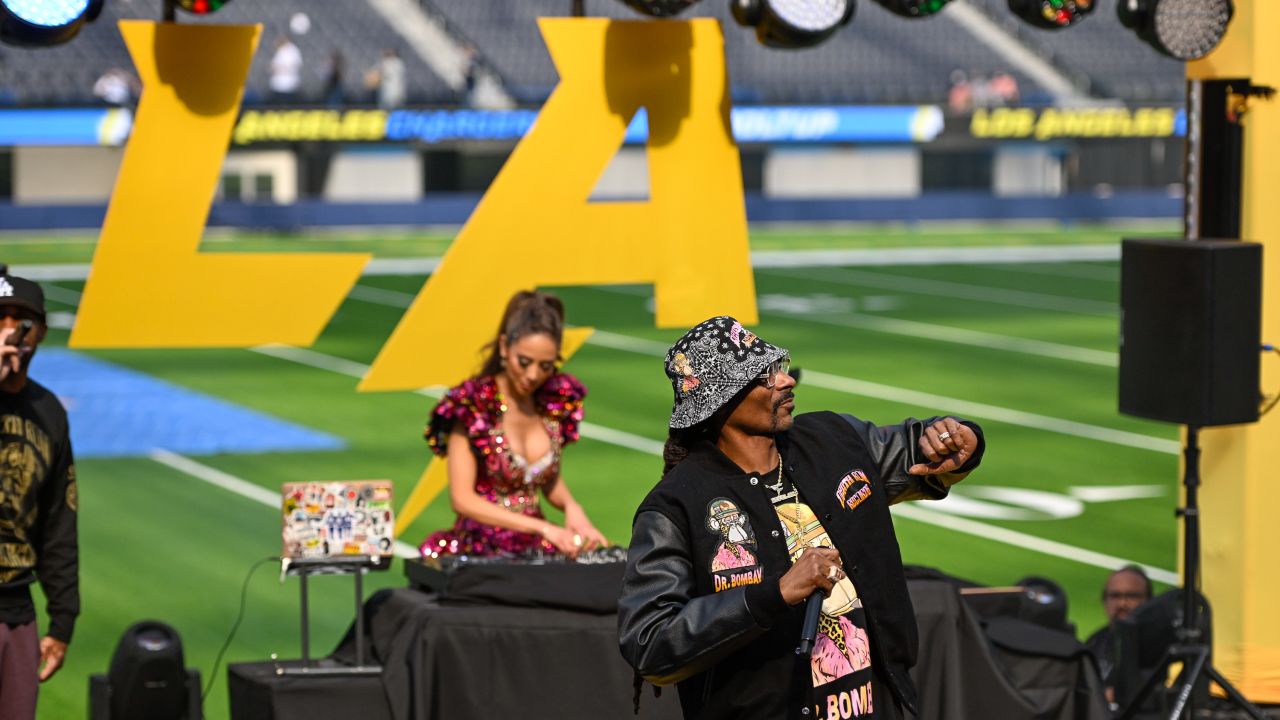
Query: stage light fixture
(1052, 14)
(913, 8)
(45, 22)
(793, 23)
(147, 679)
(202, 7)
(660, 8)
(1182, 29)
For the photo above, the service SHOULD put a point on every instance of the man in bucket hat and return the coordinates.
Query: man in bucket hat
(757, 509)
(38, 501)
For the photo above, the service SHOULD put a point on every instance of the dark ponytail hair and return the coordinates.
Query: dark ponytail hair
(528, 313)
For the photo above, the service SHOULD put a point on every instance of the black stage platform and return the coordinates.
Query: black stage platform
(449, 661)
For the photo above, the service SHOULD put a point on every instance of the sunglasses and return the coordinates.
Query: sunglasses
(769, 377)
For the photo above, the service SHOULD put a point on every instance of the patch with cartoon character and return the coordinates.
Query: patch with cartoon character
(853, 490)
(734, 563)
(688, 381)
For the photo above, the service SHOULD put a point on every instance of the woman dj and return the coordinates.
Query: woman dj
(503, 431)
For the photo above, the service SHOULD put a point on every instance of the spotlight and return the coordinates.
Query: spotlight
(147, 679)
(1052, 14)
(792, 23)
(202, 7)
(45, 22)
(913, 8)
(1183, 29)
(659, 8)
(1046, 603)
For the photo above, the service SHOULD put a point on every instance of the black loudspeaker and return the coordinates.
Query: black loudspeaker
(1191, 317)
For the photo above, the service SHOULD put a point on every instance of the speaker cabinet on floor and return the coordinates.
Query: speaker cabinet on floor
(1191, 315)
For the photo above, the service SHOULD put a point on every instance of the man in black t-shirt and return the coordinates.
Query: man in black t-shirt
(38, 504)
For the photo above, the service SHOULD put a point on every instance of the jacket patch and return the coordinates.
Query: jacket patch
(734, 563)
(853, 489)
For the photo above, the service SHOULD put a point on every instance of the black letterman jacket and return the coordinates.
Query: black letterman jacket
(732, 652)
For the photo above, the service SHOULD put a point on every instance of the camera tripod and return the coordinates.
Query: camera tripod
(1189, 648)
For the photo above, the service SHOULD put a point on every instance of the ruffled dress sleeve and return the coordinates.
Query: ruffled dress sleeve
(466, 404)
(562, 398)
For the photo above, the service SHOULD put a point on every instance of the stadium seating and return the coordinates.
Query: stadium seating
(880, 58)
(1103, 56)
(65, 74)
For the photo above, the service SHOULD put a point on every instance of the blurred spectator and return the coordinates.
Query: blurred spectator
(980, 91)
(470, 75)
(116, 87)
(1125, 590)
(960, 97)
(1003, 88)
(387, 80)
(333, 93)
(286, 71)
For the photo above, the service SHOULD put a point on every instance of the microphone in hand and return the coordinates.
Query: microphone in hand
(809, 632)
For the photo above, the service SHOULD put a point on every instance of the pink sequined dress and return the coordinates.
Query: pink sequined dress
(503, 477)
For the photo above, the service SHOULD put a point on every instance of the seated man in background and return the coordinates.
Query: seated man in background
(1126, 589)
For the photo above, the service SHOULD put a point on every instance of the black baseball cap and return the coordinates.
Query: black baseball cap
(22, 293)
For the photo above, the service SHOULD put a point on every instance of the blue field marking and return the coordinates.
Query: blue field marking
(118, 412)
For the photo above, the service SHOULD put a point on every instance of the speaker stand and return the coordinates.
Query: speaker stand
(1190, 648)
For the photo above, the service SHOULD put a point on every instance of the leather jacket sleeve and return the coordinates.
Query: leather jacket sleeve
(666, 633)
(896, 448)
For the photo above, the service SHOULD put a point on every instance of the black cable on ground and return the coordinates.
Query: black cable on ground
(244, 596)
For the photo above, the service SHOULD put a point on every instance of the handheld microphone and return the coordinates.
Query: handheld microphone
(809, 633)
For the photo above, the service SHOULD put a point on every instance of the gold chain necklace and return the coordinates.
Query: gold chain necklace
(795, 503)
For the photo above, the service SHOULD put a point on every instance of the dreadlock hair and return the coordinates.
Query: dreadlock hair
(529, 312)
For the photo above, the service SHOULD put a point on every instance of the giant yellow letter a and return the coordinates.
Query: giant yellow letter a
(149, 286)
(536, 227)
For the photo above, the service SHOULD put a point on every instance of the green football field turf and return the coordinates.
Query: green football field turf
(1028, 350)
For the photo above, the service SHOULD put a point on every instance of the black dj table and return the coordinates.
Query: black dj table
(450, 655)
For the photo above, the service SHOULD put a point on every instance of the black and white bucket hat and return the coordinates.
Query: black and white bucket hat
(711, 364)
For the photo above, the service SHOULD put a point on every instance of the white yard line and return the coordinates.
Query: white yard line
(921, 513)
(358, 370)
(926, 331)
(963, 336)
(934, 255)
(242, 487)
(978, 410)
(1096, 273)
(760, 259)
(649, 446)
(849, 277)
(865, 388)
(380, 296)
(994, 533)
